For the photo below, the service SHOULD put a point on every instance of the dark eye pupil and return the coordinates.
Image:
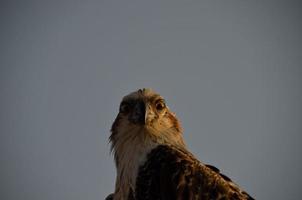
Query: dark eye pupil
(124, 108)
(159, 106)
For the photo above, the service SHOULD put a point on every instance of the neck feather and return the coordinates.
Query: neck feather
(131, 149)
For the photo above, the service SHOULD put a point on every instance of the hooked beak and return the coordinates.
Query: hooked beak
(139, 113)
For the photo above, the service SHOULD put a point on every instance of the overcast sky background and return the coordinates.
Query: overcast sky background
(231, 70)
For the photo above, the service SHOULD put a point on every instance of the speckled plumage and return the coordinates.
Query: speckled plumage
(152, 160)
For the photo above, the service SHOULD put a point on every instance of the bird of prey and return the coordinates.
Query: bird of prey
(152, 160)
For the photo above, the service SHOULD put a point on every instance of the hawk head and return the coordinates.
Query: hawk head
(143, 120)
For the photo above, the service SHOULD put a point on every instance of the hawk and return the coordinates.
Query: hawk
(152, 160)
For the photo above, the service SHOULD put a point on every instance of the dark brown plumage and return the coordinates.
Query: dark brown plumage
(152, 160)
(172, 173)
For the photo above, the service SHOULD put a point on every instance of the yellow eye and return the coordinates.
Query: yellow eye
(124, 108)
(160, 105)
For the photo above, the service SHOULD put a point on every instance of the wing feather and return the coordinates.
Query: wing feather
(172, 173)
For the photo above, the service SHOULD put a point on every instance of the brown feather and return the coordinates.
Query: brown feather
(172, 173)
(152, 160)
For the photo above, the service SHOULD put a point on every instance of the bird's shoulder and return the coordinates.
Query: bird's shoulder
(174, 173)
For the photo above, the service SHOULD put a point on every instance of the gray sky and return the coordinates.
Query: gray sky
(231, 70)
